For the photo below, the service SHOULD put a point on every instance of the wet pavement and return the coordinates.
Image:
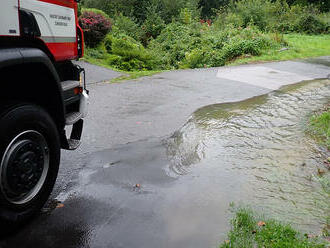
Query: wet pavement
(97, 74)
(163, 157)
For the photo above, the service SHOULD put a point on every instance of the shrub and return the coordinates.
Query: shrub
(173, 43)
(310, 24)
(127, 26)
(199, 58)
(96, 11)
(95, 26)
(152, 26)
(193, 46)
(275, 16)
(98, 52)
(127, 54)
(185, 16)
(253, 12)
(171, 9)
(126, 40)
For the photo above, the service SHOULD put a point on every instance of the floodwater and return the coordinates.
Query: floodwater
(256, 152)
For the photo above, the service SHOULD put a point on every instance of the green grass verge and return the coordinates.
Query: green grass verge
(127, 75)
(250, 231)
(319, 127)
(299, 46)
(134, 75)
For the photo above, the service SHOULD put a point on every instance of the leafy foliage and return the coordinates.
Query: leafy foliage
(153, 25)
(127, 54)
(195, 46)
(276, 16)
(311, 24)
(127, 26)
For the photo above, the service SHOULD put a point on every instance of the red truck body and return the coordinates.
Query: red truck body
(56, 20)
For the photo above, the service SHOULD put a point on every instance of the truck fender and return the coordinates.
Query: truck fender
(10, 57)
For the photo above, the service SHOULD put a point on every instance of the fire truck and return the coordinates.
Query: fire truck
(42, 92)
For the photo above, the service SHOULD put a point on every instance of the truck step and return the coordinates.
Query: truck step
(70, 84)
(72, 118)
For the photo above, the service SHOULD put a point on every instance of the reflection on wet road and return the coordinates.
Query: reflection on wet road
(253, 152)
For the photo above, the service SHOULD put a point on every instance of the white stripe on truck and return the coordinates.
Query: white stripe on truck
(48, 39)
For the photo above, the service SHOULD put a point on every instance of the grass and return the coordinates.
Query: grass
(300, 46)
(134, 75)
(250, 231)
(127, 75)
(320, 126)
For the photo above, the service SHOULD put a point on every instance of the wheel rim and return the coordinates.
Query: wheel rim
(24, 167)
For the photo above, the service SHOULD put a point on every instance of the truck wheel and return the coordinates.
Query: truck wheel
(29, 161)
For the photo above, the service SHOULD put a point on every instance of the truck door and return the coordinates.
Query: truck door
(9, 20)
(56, 20)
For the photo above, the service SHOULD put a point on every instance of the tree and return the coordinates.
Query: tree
(208, 7)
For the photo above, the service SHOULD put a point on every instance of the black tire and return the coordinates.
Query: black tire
(29, 134)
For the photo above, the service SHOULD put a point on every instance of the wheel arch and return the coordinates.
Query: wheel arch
(28, 75)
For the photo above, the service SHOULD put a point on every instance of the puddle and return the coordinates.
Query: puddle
(127, 165)
(257, 152)
(320, 61)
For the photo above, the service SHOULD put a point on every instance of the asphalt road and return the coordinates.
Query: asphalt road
(97, 74)
(123, 145)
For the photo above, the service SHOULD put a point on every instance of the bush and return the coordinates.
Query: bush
(274, 16)
(173, 43)
(96, 11)
(196, 45)
(253, 12)
(95, 26)
(153, 25)
(199, 58)
(127, 26)
(310, 24)
(127, 54)
(98, 52)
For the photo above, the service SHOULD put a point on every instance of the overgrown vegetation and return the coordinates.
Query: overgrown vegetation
(151, 35)
(249, 231)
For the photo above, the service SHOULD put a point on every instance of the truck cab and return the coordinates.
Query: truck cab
(42, 92)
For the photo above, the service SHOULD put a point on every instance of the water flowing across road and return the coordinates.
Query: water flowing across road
(256, 152)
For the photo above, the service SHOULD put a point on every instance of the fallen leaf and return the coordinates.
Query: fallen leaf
(60, 205)
(311, 236)
(261, 223)
(320, 172)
